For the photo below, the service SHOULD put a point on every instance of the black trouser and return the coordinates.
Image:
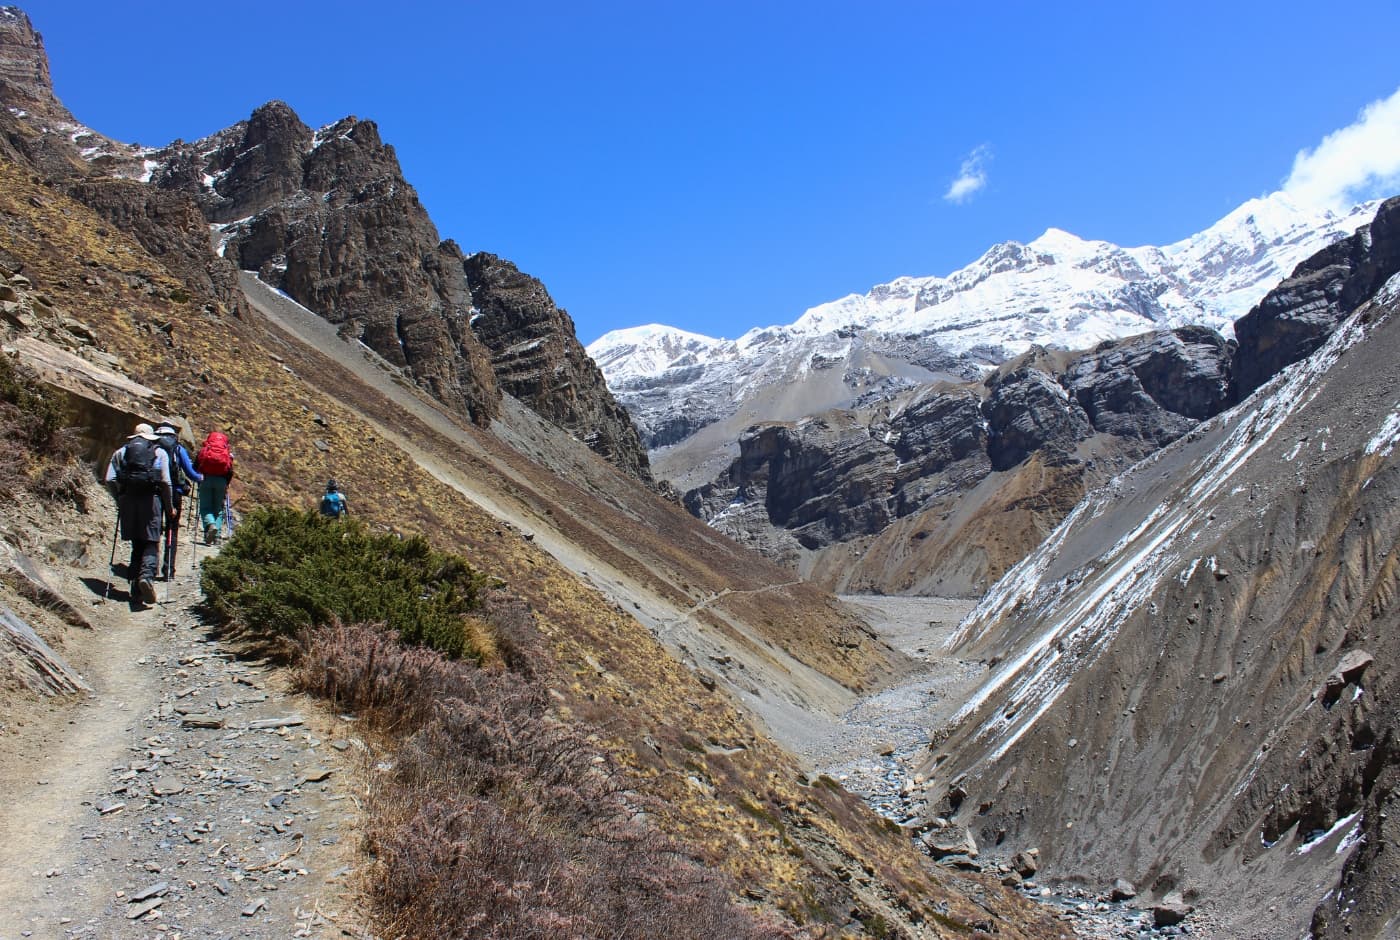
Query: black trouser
(171, 537)
(145, 560)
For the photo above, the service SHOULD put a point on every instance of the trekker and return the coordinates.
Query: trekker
(333, 504)
(182, 475)
(139, 477)
(215, 461)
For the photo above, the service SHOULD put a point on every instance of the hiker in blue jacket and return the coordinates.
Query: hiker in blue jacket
(182, 475)
(333, 504)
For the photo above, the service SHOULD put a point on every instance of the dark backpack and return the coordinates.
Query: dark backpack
(170, 445)
(138, 474)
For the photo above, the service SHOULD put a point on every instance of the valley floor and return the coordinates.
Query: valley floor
(126, 817)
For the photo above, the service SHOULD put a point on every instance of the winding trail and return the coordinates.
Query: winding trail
(157, 806)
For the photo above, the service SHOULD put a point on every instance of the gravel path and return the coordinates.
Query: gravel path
(190, 796)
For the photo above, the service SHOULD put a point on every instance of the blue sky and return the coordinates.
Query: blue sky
(719, 165)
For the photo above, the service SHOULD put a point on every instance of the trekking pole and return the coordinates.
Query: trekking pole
(116, 528)
(194, 534)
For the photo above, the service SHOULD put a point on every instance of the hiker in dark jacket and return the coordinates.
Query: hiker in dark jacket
(183, 476)
(139, 477)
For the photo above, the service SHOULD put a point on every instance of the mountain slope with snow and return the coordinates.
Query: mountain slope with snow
(1059, 291)
(1192, 682)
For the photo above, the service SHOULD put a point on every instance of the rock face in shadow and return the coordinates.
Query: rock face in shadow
(1296, 317)
(1019, 438)
(537, 358)
(170, 226)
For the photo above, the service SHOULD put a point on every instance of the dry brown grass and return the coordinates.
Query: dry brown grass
(500, 821)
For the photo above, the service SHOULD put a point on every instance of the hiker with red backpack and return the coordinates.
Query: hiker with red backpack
(215, 462)
(139, 477)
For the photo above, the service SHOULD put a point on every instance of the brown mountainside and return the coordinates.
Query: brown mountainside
(620, 582)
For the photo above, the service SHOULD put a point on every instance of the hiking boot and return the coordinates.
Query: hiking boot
(211, 532)
(147, 590)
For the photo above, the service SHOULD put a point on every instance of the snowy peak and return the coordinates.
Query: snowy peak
(650, 350)
(1059, 290)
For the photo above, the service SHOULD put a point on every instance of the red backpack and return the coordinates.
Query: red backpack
(214, 458)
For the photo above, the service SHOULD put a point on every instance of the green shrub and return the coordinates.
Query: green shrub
(284, 571)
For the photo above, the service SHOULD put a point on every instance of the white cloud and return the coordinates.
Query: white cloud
(1361, 161)
(972, 175)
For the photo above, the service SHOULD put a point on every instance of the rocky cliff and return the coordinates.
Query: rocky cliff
(1298, 316)
(537, 358)
(327, 217)
(820, 492)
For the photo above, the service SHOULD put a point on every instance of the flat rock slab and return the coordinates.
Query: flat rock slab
(140, 910)
(203, 721)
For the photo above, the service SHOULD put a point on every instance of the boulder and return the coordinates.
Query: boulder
(1025, 864)
(1122, 890)
(954, 840)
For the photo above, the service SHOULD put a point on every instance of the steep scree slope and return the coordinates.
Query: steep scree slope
(1209, 704)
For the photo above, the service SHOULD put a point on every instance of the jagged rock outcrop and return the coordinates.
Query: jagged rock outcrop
(1296, 317)
(1041, 421)
(537, 358)
(25, 82)
(328, 217)
(1155, 388)
(1028, 410)
(941, 447)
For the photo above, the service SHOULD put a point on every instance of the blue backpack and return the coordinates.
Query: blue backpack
(332, 504)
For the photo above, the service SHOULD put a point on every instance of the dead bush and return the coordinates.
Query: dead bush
(501, 821)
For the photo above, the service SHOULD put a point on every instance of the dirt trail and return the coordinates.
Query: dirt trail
(156, 806)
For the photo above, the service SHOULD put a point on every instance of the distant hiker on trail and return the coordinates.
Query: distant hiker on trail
(182, 475)
(333, 504)
(215, 461)
(139, 477)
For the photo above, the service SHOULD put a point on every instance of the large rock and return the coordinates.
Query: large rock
(1028, 410)
(1155, 387)
(1296, 317)
(537, 358)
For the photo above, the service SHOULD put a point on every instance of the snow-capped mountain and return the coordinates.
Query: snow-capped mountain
(1057, 291)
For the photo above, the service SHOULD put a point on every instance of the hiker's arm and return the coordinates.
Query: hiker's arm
(167, 495)
(187, 465)
(113, 467)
